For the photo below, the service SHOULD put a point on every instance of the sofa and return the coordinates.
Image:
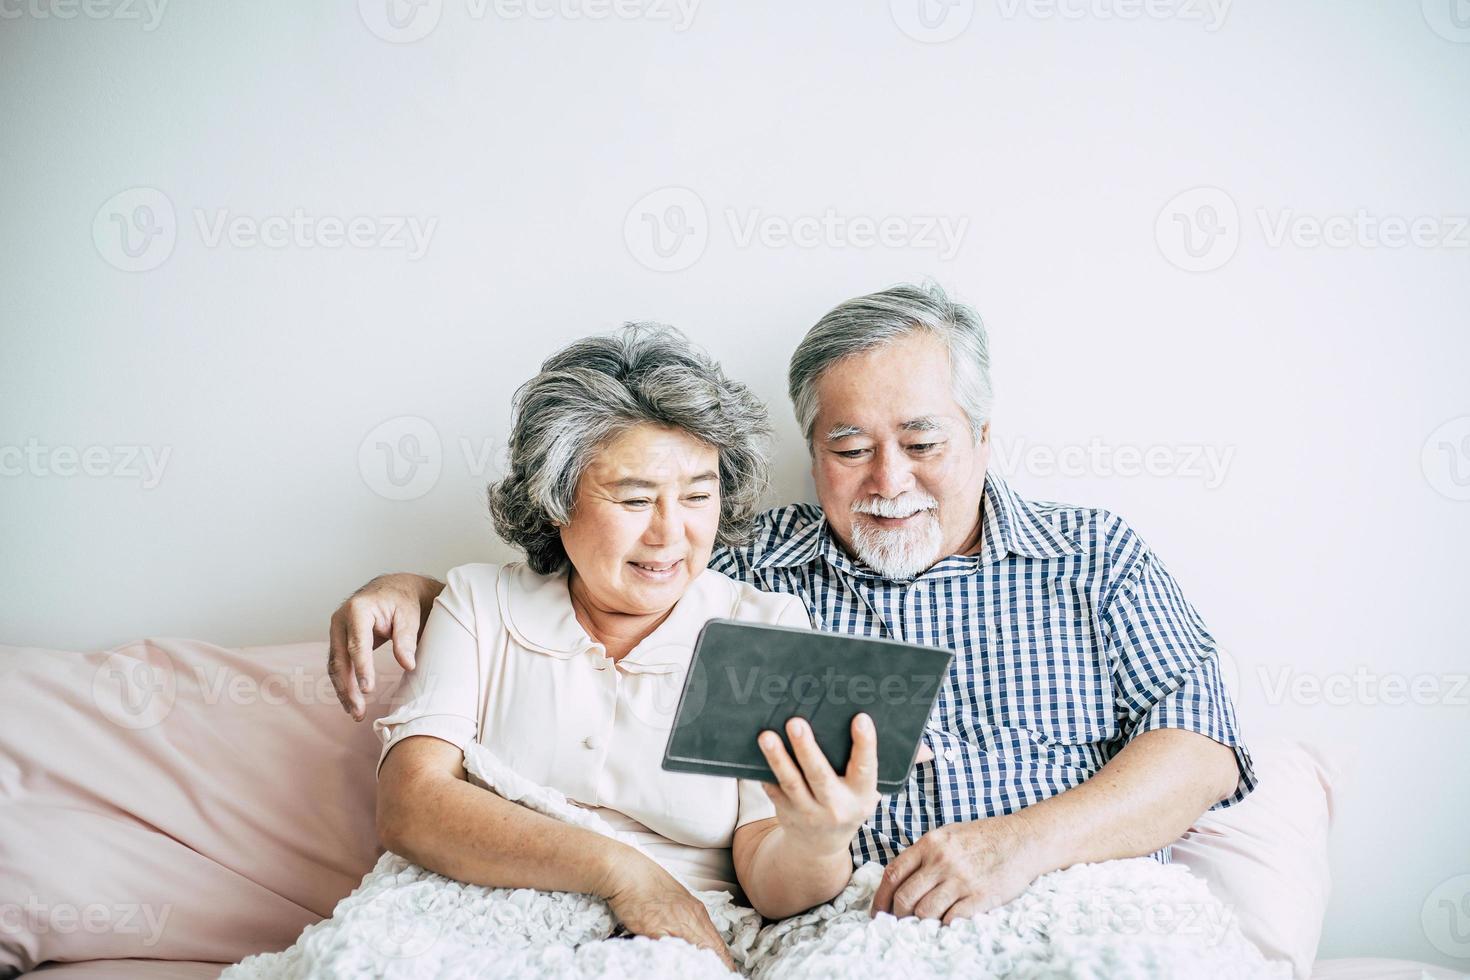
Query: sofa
(171, 806)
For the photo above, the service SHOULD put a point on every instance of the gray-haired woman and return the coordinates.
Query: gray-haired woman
(631, 456)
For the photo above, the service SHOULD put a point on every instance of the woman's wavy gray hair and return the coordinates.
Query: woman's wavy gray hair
(592, 391)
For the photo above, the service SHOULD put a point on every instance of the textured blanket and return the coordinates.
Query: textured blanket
(1133, 919)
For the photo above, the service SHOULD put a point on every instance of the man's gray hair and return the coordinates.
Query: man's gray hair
(594, 390)
(861, 324)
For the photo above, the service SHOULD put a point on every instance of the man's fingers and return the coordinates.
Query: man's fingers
(907, 895)
(963, 909)
(339, 668)
(360, 647)
(790, 778)
(814, 765)
(907, 861)
(938, 900)
(862, 766)
(405, 636)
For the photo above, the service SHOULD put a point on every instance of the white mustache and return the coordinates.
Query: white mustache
(905, 506)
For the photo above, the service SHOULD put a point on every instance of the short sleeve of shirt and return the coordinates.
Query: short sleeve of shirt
(1166, 668)
(754, 803)
(439, 697)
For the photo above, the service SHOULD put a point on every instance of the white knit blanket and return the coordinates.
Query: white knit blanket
(1131, 919)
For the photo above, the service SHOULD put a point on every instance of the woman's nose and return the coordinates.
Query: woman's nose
(666, 526)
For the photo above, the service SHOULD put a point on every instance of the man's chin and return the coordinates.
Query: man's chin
(896, 559)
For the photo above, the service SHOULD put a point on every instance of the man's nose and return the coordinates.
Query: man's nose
(890, 474)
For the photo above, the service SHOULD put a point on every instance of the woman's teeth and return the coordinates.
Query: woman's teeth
(655, 568)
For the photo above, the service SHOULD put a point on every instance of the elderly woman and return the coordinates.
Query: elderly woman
(631, 457)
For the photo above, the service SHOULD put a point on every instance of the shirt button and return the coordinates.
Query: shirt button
(949, 755)
(591, 741)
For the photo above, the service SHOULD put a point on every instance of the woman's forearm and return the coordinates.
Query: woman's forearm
(439, 821)
(782, 878)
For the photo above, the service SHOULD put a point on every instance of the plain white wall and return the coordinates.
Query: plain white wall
(1052, 143)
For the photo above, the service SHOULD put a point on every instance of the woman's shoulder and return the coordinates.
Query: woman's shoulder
(478, 594)
(747, 603)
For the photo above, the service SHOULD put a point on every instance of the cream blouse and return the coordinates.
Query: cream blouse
(503, 660)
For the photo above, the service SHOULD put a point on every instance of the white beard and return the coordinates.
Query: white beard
(897, 553)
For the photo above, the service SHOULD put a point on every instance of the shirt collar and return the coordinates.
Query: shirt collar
(1010, 525)
(537, 611)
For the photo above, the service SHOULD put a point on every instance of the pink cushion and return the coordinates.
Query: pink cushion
(176, 800)
(1266, 857)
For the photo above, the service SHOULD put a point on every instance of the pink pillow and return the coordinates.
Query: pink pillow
(1266, 857)
(175, 800)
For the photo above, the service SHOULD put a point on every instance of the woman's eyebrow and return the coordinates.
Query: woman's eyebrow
(639, 483)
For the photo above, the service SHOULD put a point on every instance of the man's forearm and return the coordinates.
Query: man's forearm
(1145, 798)
(781, 879)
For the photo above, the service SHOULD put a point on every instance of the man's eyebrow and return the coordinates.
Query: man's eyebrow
(843, 430)
(925, 423)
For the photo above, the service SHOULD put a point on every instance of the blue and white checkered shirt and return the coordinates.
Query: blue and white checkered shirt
(1070, 640)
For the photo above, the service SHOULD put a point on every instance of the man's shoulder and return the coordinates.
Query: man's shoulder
(1097, 533)
(779, 523)
(770, 531)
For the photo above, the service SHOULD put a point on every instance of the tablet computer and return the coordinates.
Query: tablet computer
(746, 678)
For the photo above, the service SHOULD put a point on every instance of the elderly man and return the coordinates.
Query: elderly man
(1084, 717)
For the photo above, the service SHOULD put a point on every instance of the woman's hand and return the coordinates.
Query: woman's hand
(650, 902)
(814, 805)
